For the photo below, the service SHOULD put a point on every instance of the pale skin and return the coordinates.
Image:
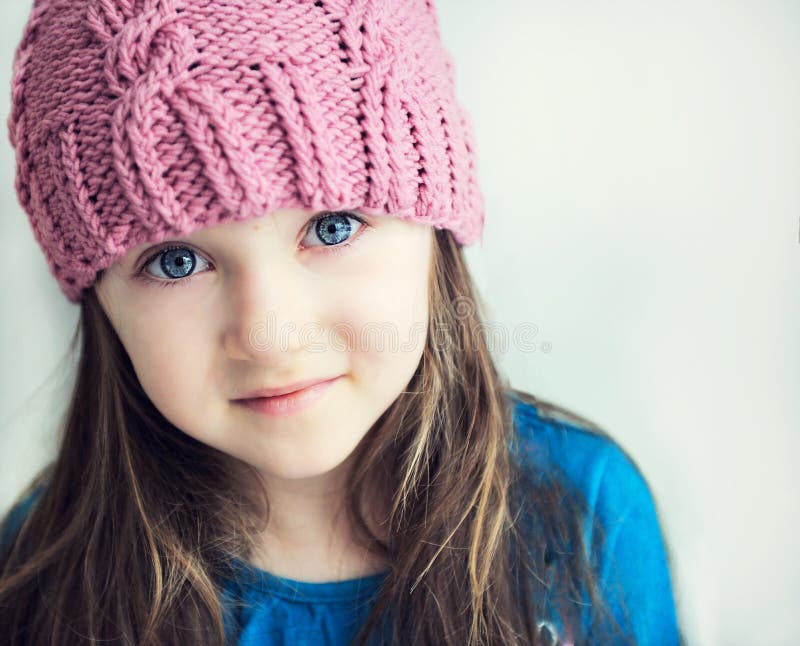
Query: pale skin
(202, 341)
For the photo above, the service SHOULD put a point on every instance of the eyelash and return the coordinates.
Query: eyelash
(141, 274)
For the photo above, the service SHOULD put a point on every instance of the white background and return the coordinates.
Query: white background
(640, 162)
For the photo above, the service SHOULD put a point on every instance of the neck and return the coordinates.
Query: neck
(309, 537)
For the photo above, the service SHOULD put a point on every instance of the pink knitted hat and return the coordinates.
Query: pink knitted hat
(138, 120)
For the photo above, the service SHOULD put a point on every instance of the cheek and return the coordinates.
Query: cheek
(404, 298)
(389, 320)
(169, 358)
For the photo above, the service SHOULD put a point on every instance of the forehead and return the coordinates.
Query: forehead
(274, 220)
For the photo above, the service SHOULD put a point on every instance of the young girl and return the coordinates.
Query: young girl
(286, 426)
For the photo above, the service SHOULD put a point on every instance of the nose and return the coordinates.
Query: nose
(269, 314)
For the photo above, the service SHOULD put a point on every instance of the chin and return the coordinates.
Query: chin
(300, 469)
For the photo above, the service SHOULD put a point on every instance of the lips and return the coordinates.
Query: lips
(283, 390)
(288, 403)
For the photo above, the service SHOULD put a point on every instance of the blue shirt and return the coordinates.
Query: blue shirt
(633, 567)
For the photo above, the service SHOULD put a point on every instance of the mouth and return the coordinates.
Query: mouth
(284, 390)
(288, 403)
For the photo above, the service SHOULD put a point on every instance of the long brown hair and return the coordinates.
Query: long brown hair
(133, 534)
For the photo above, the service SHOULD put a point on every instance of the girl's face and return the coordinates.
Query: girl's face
(266, 303)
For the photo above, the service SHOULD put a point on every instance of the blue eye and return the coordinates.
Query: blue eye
(176, 263)
(334, 228)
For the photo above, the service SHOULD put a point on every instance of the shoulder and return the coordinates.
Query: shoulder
(12, 522)
(622, 532)
(588, 460)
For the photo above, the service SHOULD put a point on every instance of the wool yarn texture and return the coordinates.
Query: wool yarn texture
(135, 121)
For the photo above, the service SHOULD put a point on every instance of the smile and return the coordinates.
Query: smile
(290, 403)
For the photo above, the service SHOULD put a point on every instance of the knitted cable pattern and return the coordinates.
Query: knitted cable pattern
(138, 120)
